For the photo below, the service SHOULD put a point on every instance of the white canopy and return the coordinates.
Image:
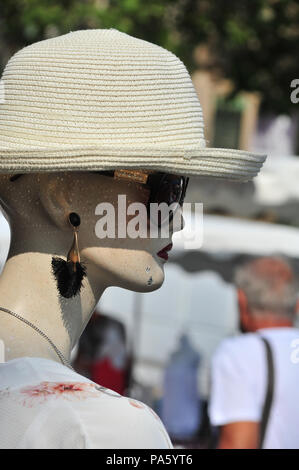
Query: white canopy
(228, 235)
(277, 183)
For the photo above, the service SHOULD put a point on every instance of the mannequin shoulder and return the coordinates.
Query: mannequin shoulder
(58, 408)
(83, 415)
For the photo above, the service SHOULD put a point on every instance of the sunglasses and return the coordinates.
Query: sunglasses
(163, 188)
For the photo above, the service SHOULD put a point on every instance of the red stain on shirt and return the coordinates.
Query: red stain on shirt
(53, 388)
(68, 390)
(136, 404)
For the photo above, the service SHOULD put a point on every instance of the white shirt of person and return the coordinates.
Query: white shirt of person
(46, 405)
(239, 381)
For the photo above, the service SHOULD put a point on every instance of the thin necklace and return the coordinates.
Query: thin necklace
(64, 361)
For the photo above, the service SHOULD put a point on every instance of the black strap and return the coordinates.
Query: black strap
(269, 393)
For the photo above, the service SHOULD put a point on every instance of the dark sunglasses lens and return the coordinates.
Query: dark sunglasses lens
(169, 189)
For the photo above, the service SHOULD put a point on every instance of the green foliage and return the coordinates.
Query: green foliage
(253, 42)
(26, 21)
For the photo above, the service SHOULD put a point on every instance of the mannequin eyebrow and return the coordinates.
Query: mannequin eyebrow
(106, 173)
(15, 177)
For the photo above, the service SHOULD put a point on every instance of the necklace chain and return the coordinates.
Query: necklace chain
(64, 361)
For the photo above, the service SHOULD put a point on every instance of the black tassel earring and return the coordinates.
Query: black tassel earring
(69, 274)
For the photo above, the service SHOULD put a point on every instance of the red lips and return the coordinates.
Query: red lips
(163, 253)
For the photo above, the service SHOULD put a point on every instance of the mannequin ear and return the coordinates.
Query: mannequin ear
(54, 197)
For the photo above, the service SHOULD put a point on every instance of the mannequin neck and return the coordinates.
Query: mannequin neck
(28, 288)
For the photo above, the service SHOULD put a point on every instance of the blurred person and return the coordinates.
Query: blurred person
(102, 353)
(180, 408)
(255, 377)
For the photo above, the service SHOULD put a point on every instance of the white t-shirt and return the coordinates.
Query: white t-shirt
(46, 405)
(239, 380)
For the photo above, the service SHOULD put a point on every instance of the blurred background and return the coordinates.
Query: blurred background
(242, 57)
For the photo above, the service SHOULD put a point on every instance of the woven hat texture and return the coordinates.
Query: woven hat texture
(100, 99)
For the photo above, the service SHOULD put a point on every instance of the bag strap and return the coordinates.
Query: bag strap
(269, 392)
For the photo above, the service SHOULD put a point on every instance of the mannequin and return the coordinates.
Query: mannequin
(74, 106)
(37, 206)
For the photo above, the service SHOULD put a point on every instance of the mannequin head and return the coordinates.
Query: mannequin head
(37, 207)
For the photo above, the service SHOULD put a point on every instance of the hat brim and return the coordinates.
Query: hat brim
(230, 164)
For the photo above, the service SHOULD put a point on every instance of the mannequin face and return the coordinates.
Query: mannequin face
(124, 262)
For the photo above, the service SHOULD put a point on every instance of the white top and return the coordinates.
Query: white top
(45, 405)
(239, 378)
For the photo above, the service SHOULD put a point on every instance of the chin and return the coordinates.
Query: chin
(139, 280)
(148, 282)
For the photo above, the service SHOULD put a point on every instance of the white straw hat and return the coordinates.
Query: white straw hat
(100, 100)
